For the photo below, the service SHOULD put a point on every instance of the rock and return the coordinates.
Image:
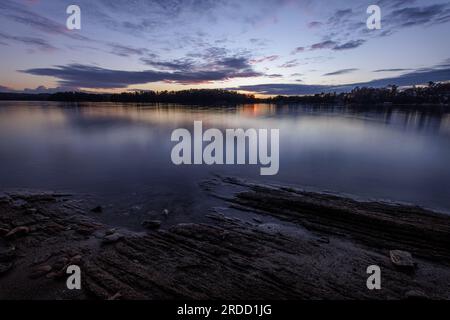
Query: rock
(115, 297)
(76, 259)
(98, 209)
(257, 220)
(31, 211)
(5, 267)
(40, 271)
(152, 224)
(3, 232)
(112, 238)
(325, 240)
(19, 203)
(402, 259)
(166, 212)
(110, 232)
(19, 231)
(7, 254)
(415, 295)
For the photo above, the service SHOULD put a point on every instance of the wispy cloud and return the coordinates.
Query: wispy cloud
(20, 14)
(339, 72)
(391, 70)
(33, 42)
(126, 51)
(86, 76)
(352, 44)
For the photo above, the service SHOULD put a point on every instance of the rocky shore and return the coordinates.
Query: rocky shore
(266, 242)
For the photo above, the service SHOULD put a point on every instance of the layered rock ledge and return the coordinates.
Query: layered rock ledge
(314, 246)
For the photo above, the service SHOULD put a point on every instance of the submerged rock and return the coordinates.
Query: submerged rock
(98, 209)
(151, 224)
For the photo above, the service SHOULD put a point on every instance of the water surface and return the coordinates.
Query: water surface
(121, 152)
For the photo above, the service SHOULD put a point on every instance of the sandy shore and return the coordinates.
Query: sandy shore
(267, 242)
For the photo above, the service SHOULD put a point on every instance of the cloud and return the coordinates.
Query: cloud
(350, 45)
(413, 78)
(174, 65)
(211, 59)
(427, 15)
(5, 89)
(328, 44)
(290, 64)
(335, 45)
(275, 75)
(339, 72)
(391, 70)
(20, 14)
(36, 43)
(315, 24)
(264, 59)
(283, 89)
(396, 16)
(298, 50)
(126, 51)
(86, 76)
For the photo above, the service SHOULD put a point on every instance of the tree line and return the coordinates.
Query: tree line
(433, 93)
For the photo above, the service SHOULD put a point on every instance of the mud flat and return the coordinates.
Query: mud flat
(283, 244)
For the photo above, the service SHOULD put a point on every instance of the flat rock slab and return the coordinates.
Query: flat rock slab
(229, 259)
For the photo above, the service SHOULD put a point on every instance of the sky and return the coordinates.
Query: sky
(258, 46)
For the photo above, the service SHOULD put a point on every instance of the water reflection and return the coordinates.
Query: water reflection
(123, 151)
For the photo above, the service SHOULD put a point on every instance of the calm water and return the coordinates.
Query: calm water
(122, 152)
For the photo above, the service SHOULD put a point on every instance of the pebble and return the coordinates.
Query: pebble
(112, 238)
(402, 258)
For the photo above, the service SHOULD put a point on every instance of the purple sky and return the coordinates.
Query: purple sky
(261, 46)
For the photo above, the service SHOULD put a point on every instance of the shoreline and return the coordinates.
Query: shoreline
(444, 108)
(314, 246)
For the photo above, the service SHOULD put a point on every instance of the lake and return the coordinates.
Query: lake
(121, 153)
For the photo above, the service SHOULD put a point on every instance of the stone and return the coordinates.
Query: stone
(19, 231)
(110, 232)
(40, 271)
(415, 295)
(402, 259)
(5, 267)
(117, 296)
(151, 224)
(112, 238)
(31, 211)
(98, 209)
(76, 259)
(19, 203)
